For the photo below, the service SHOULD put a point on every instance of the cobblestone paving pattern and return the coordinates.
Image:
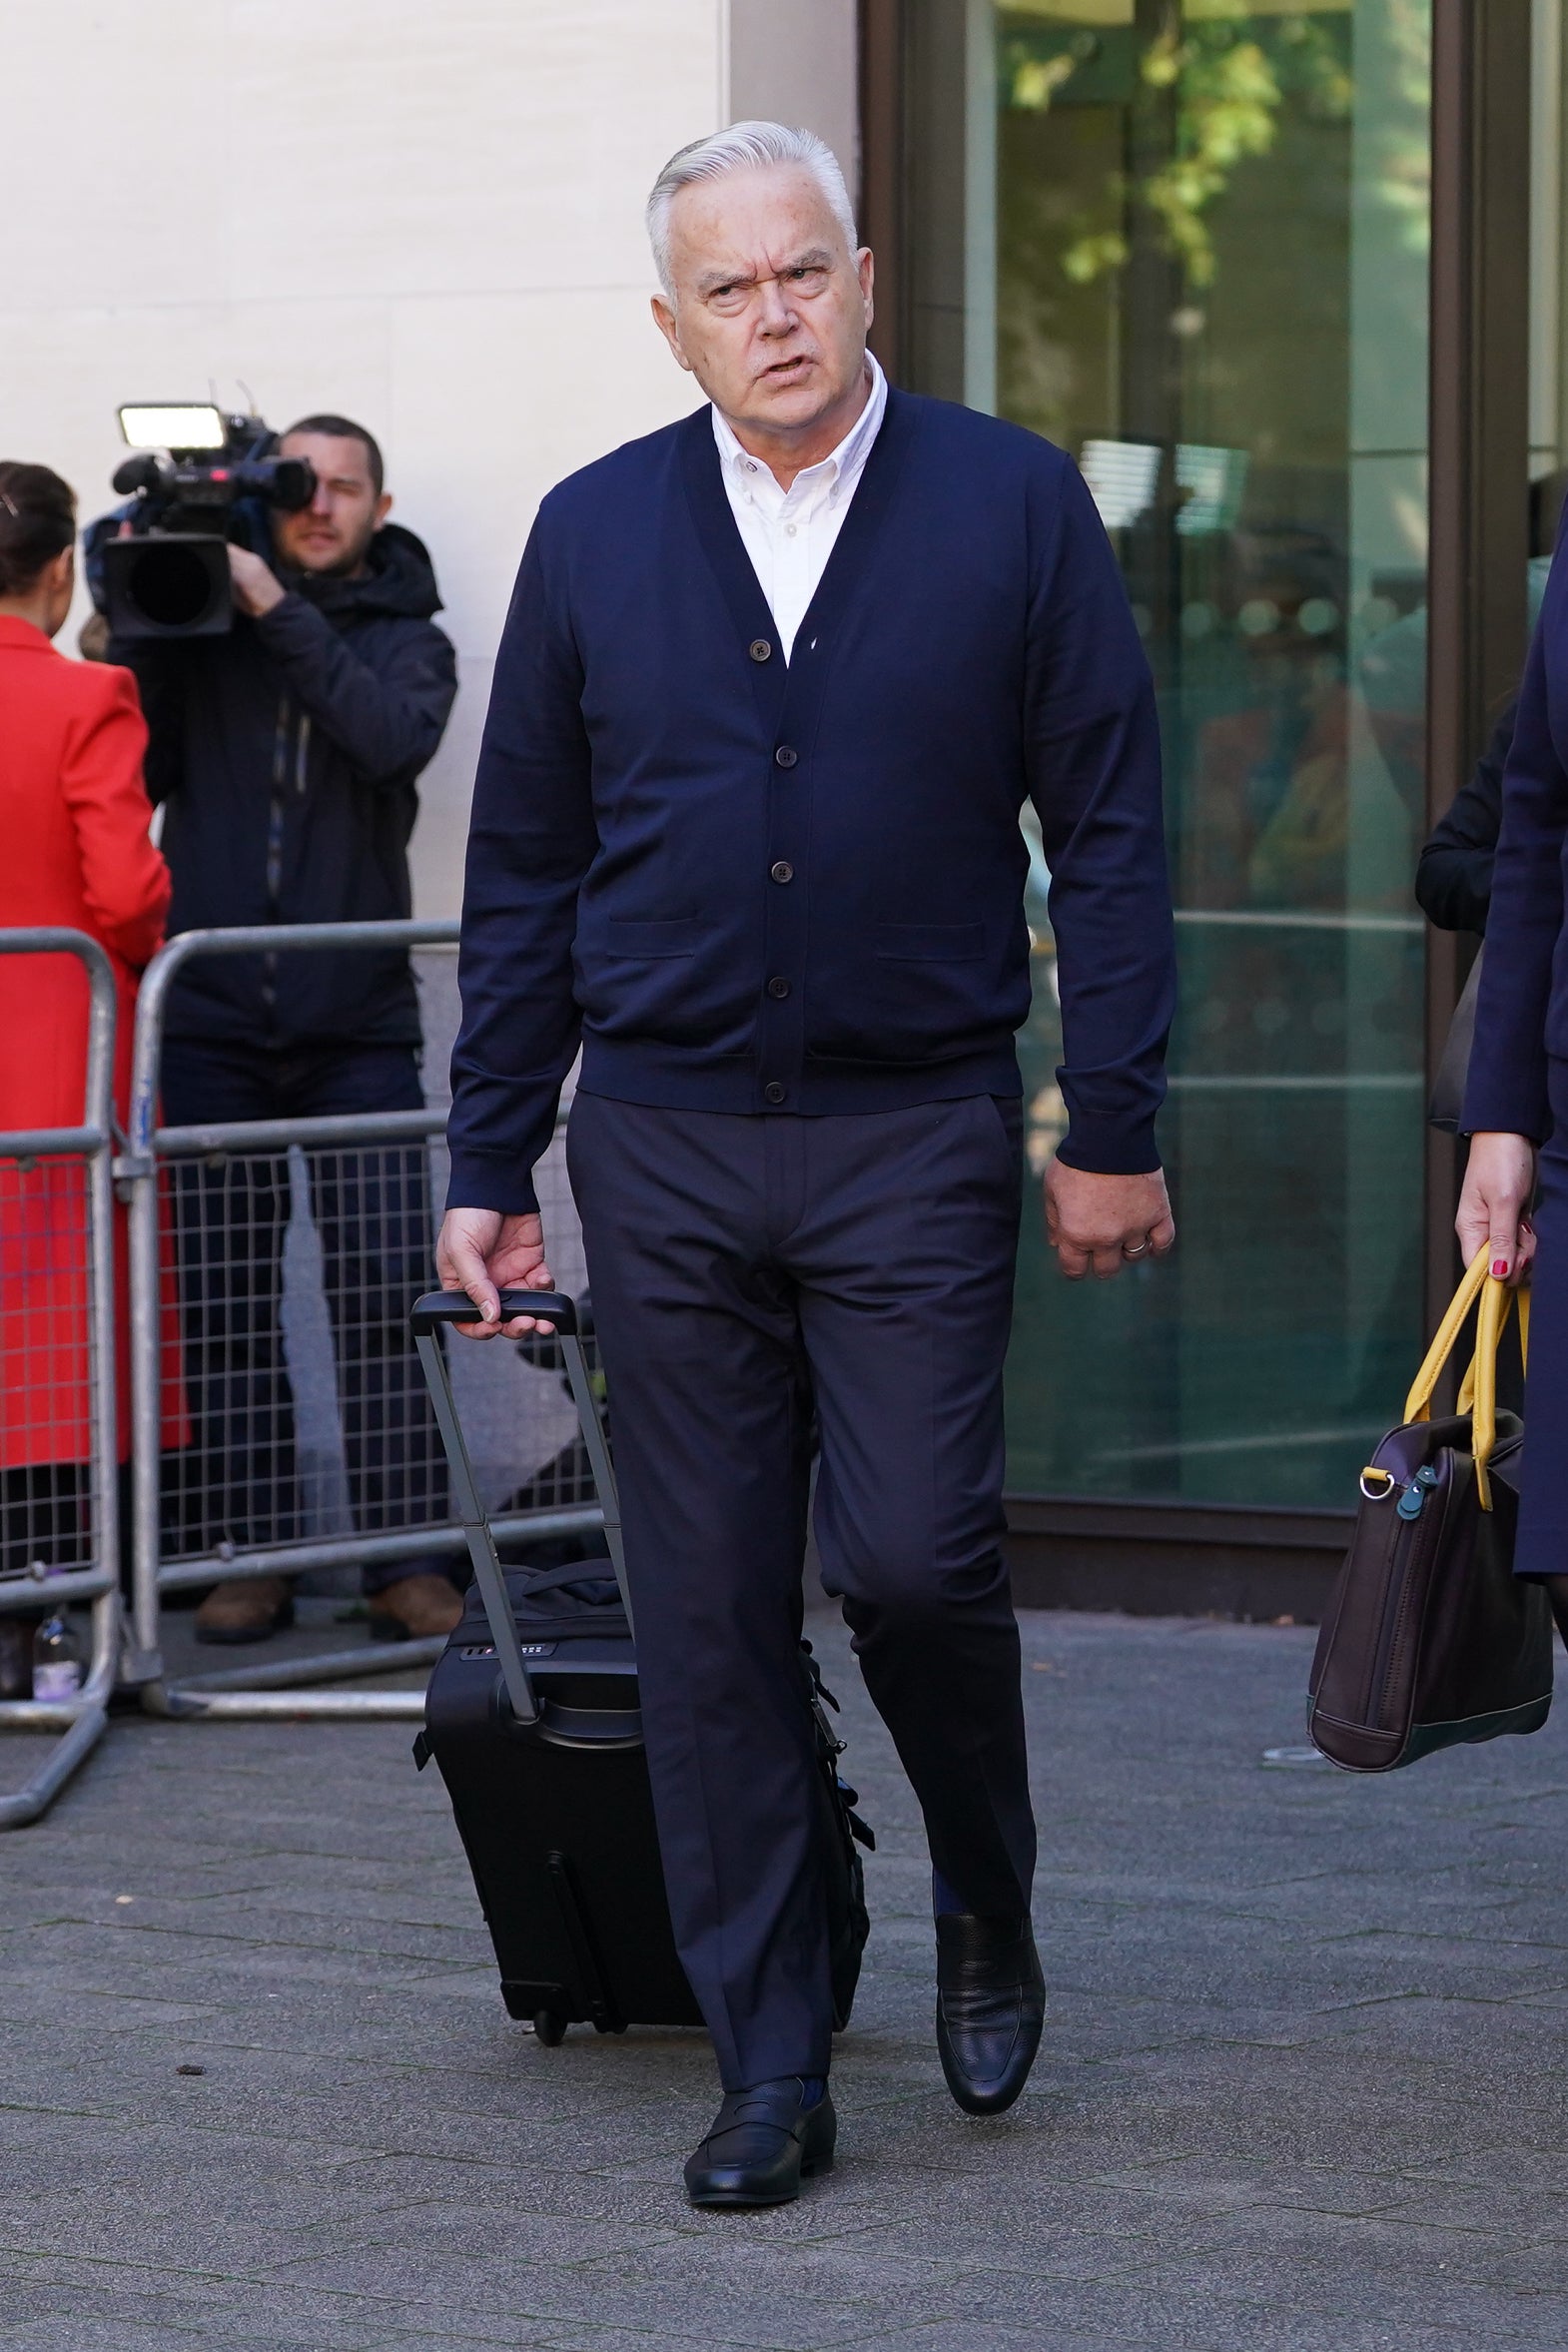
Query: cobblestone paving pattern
(1303, 2085)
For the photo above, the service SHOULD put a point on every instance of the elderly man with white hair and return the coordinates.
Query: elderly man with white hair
(775, 684)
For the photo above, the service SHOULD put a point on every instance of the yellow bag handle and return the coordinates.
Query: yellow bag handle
(1478, 1394)
(1467, 1402)
(1418, 1405)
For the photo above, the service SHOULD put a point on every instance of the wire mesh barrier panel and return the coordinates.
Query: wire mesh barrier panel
(289, 1431)
(309, 1421)
(60, 1387)
(46, 1368)
(355, 1228)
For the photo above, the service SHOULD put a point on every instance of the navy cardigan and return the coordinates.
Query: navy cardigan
(756, 887)
(1522, 1014)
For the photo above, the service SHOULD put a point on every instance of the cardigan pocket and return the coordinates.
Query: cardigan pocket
(930, 943)
(677, 935)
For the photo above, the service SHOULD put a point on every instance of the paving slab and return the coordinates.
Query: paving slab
(1302, 2089)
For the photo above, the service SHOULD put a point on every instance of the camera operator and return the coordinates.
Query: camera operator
(286, 755)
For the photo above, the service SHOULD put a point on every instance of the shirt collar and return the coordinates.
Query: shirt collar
(845, 461)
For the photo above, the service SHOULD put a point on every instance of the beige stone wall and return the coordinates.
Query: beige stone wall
(429, 218)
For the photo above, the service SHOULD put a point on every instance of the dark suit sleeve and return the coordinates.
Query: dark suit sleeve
(388, 721)
(1092, 749)
(531, 841)
(1507, 1090)
(1453, 882)
(158, 671)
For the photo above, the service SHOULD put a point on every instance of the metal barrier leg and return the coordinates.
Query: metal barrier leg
(80, 1723)
(179, 1702)
(206, 1694)
(331, 1666)
(61, 1425)
(36, 1794)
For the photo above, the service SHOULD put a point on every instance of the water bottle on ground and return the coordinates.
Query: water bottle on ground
(16, 1657)
(58, 1667)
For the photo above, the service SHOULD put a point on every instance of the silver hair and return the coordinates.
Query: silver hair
(744, 147)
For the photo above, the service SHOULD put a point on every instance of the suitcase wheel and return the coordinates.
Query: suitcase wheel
(550, 2026)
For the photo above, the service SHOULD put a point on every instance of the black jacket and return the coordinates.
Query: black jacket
(286, 755)
(1453, 882)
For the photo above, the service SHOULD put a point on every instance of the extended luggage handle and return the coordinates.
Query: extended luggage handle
(427, 1317)
(1478, 1392)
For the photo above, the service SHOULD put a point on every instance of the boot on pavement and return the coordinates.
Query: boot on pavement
(251, 1609)
(414, 1609)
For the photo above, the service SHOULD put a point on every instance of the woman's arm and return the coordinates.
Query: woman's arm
(124, 879)
(1453, 882)
(1506, 1092)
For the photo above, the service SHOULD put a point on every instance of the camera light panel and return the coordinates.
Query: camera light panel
(172, 424)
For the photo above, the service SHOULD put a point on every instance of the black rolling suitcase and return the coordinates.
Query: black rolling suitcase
(531, 1715)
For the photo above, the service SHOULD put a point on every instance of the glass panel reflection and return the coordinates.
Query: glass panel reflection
(1208, 265)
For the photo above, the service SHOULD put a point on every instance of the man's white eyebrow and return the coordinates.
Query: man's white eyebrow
(711, 279)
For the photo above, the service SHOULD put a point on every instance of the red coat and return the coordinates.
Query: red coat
(74, 850)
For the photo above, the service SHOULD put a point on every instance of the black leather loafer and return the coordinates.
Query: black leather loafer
(990, 2005)
(762, 2141)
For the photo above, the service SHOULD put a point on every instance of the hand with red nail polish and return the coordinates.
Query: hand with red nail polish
(1499, 1184)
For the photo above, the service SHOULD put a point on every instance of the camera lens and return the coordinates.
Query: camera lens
(294, 483)
(171, 585)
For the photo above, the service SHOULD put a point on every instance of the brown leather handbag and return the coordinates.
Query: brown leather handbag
(1430, 1639)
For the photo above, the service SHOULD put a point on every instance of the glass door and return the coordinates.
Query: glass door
(1187, 240)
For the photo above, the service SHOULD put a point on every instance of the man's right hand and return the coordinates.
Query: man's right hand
(483, 1252)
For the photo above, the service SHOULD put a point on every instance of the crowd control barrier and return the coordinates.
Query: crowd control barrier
(281, 1424)
(59, 1523)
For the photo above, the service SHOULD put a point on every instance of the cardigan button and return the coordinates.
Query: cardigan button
(785, 756)
(778, 987)
(760, 649)
(774, 1090)
(783, 871)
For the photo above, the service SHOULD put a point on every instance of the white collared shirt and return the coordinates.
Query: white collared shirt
(789, 535)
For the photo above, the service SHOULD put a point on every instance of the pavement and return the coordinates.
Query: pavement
(1302, 2084)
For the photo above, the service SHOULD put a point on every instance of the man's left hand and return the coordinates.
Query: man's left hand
(256, 587)
(1099, 1223)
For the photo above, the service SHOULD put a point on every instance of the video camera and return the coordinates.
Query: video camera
(200, 479)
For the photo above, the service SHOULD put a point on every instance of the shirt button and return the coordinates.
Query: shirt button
(760, 649)
(778, 987)
(783, 871)
(786, 756)
(774, 1090)
(789, 531)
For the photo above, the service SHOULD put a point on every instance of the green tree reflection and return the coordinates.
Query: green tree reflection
(1219, 81)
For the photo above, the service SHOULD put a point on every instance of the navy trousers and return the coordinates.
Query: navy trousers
(371, 1208)
(746, 1270)
(1541, 1546)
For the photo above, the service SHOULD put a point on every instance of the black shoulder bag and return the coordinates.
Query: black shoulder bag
(1430, 1639)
